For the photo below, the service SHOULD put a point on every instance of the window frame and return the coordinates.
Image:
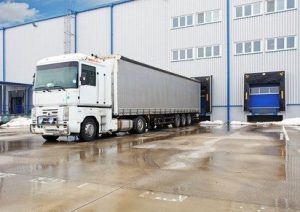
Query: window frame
(276, 4)
(212, 17)
(94, 70)
(204, 51)
(243, 6)
(285, 43)
(185, 54)
(185, 21)
(252, 47)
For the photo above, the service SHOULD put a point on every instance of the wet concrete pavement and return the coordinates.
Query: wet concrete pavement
(189, 169)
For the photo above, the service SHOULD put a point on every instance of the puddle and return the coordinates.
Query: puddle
(163, 196)
(47, 180)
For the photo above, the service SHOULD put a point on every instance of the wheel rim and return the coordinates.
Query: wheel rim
(177, 120)
(89, 129)
(183, 120)
(140, 125)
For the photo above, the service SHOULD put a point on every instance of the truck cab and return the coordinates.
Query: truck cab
(72, 96)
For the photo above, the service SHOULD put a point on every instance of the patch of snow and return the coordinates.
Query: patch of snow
(206, 123)
(17, 122)
(240, 123)
(288, 122)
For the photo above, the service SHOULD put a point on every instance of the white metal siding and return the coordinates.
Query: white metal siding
(142, 31)
(93, 32)
(263, 27)
(1, 55)
(27, 44)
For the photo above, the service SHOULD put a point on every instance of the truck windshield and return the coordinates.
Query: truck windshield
(57, 76)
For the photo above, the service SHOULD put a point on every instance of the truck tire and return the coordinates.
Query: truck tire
(176, 123)
(50, 137)
(88, 130)
(139, 125)
(188, 119)
(182, 120)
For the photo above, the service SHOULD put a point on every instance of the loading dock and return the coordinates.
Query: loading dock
(206, 97)
(264, 96)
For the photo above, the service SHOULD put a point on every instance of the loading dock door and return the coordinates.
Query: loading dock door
(206, 91)
(264, 100)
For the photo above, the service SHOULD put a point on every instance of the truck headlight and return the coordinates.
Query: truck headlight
(66, 114)
(33, 113)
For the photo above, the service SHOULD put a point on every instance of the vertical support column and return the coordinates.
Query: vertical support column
(4, 72)
(75, 32)
(4, 99)
(228, 45)
(4, 56)
(1, 103)
(112, 29)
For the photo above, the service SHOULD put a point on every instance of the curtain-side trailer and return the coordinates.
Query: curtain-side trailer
(85, 95)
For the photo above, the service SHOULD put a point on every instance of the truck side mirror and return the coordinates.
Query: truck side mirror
(33, 80)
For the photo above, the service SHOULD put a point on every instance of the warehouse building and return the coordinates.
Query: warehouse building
(245, 52)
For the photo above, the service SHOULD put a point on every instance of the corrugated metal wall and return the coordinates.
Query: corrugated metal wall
(1, 55)
(27, 44)
(93, 32)
(262, 27)
(142, 31)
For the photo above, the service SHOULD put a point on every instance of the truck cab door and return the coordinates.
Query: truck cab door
(88, 85)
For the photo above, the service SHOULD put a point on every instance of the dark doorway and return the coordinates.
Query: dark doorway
(16, 101)
(206, 96)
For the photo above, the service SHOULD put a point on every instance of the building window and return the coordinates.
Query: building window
(209, 17)
(281, 43)
(248, 47)
(182, 21)
(182, 54)
(248, 10)
(280, 5)
(208, 51)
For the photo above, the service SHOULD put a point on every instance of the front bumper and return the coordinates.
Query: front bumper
(55, 130)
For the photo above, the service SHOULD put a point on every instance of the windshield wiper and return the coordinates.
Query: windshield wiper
(43, 88)
(59, 87)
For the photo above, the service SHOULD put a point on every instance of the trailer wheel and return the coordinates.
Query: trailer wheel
(176, 123)
(182, 120)
(188, 119)
(139, 125)
(88, 130)
(50, 137)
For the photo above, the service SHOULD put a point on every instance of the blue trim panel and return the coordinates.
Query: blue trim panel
(227, 106)
(112, 29)
(75, 32)
(15, 83)
(81, 11)
(3, 56)
(228, 58)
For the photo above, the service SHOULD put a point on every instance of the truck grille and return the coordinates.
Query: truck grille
(50, 112)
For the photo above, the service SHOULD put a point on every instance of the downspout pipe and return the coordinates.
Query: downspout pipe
(228, 66)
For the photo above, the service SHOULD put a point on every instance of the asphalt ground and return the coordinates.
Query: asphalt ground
(251, 168)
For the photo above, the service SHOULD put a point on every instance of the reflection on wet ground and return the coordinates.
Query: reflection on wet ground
(189, 169)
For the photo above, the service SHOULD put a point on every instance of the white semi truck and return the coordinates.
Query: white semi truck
(84, 95)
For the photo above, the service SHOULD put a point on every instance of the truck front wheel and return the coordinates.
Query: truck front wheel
(88, 130)
(50, 137)
(139, 125)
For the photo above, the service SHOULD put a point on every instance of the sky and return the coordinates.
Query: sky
(13, 12)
